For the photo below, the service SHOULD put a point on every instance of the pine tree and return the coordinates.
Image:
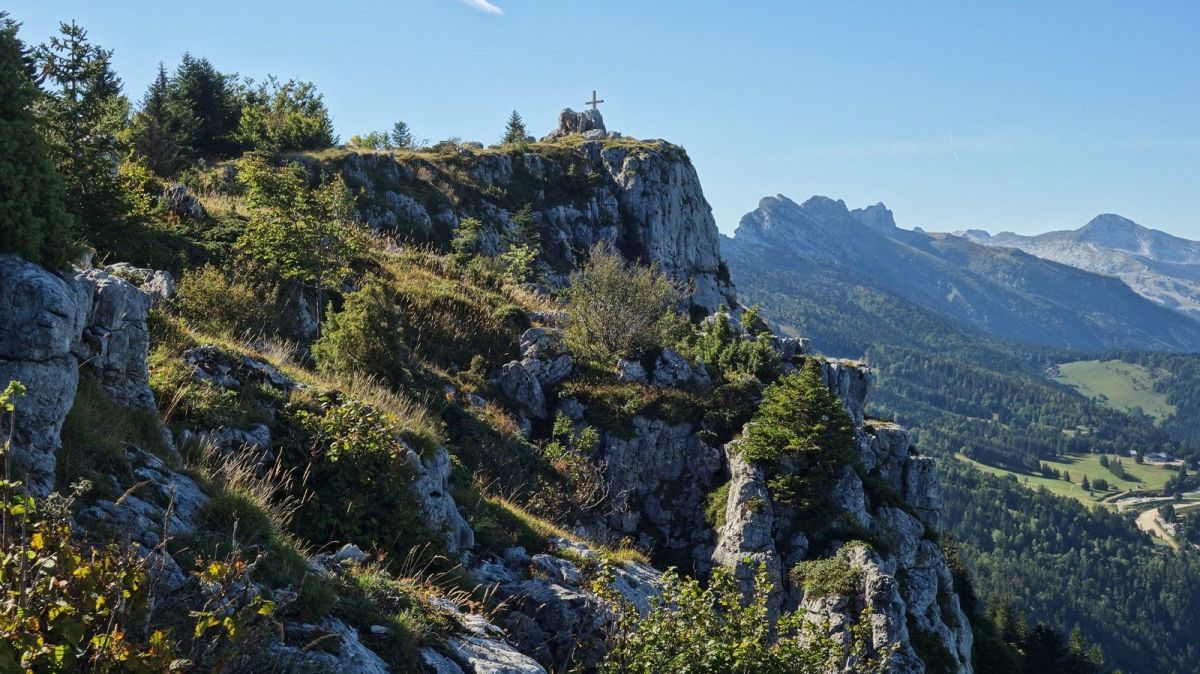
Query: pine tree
(34, 221)
(1085, 484)
(799, 415)
(514, 132)
(212, 99)
(400, 136)
(162, 129)
(81, 118)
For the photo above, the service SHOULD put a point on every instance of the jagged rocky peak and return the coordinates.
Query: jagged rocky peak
(877, 217)
(583, 122)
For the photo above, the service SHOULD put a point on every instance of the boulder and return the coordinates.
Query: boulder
(181, 202)
(631, 371)
(522, 387)
(571, 122)
(671, 369)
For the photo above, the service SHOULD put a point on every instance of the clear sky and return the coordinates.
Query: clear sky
(1022, 116)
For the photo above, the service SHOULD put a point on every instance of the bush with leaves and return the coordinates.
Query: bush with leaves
(827, 577)
(366, 336)
(729, 353)
(65, 606)
(616, 309)
(358, 478)
(290, 115)
(34, 220)
(218, 300)
(692, 629)
(372, 140)
(297, 233)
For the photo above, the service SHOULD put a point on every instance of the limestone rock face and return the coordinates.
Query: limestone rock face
(54, 326)
(570, 122)
(643, 198)
(658, 479)
(521, 386)
(553, 614)
(42, 318)
(438, 508)
(115, 340)
(670, 221)
(747, 539)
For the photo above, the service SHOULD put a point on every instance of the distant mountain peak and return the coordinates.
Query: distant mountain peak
(1113, 231)
(877, 217)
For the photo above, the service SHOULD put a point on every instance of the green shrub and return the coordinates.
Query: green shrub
(828, 577)
(616, 309)
(727, 355)
(285, 116)
(716, 629)
(358, 478)
(715, 504)
(366, 336)
(220, 300)
(297, 233)
(731, 405)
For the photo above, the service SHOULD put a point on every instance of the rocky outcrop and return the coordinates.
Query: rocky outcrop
(658, 479)
(552, 613)
(892, 497)
(55, 326)
(641, 197)
(571, 122)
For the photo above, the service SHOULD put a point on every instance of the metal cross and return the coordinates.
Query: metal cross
(595, 101)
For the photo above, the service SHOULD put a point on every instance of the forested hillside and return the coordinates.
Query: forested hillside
(967, 392)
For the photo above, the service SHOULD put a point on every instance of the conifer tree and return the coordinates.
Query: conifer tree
(799, 415)
(400, 136)
(162, 129)
(514, 132)
(34, 221)
(212, 99)
(81, 116)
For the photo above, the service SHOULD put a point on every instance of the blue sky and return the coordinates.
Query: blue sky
(1022, 116)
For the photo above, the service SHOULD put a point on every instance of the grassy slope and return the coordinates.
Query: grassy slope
(1152, 477)
(1122, 386)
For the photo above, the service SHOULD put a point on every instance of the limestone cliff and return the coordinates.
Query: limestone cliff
(642, 197)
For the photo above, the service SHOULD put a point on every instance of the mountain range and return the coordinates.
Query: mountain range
(1006, 292)
(1158, 266)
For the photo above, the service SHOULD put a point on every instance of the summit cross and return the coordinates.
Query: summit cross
(595, 101)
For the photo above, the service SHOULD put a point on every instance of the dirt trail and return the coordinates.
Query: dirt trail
(1149, 522)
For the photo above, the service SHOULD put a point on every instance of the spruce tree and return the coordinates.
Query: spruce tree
(212, 99)
(34, 221)
(800, 416)
(400, 136)
(82, 116)
(514, 132)
(162, 129)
